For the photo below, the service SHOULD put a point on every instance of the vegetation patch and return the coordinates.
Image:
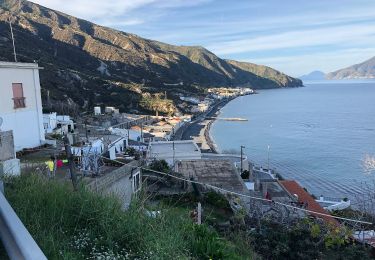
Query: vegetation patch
(84, 225)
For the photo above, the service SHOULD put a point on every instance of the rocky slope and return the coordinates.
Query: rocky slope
(88, 64)
(362, 70)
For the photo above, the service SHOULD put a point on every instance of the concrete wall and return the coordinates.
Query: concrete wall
(119, 183)
(26, 123)
(7, 146)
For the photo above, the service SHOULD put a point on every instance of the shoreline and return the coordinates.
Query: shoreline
(199, 129)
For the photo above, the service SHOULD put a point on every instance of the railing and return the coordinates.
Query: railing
(17, 241)
(19, 102)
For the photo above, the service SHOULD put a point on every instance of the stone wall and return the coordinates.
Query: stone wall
(6, 146)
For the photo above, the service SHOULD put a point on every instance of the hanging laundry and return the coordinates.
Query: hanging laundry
(51, 165)
(59, 163)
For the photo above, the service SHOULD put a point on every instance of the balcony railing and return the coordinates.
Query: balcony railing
(17, 241)
(19, 102)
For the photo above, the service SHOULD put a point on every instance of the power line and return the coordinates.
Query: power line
(248, 196)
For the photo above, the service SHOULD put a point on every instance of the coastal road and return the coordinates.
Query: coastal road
(193, 130)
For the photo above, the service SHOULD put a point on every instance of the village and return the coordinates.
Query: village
(112, 152)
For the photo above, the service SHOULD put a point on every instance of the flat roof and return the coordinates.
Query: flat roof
(19, 65)
(166, 147)
(219, 173)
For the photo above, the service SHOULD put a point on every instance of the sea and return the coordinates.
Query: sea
(318, 135)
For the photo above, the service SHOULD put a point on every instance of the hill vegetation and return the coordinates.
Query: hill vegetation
(86, 64)
(83, 225)
(362, 70)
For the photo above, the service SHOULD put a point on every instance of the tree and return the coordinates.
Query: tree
(160, 166)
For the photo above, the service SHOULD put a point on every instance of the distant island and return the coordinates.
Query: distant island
(314, 75)
(364, 70)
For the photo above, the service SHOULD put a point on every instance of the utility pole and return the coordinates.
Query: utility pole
(268, 159)
(128, 136)
(242, 147)
(69, 156)
(87, 134)
(173, 152)
(11, 32)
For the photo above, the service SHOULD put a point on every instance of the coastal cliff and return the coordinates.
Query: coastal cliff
(362, 70)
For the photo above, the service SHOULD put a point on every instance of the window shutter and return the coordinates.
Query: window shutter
(17, 90)
(18, 98)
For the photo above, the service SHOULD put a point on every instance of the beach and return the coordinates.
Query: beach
(199, 129)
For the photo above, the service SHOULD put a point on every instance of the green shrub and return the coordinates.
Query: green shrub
(85, 225)
(206, 243)
(160, 165)
(217, 199)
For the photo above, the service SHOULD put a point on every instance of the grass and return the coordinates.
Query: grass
(84, 225)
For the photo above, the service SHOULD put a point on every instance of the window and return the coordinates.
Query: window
(18, 98)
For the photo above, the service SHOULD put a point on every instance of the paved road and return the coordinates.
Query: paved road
(194, 128)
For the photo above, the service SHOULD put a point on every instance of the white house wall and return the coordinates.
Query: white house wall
(26, 123)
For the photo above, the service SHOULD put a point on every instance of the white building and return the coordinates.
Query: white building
(49, 122)
(97, 111)
(53, 123)
(173, 151)
(21, 103)
(94, 146)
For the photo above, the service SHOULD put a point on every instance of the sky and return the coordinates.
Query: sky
(293, 36)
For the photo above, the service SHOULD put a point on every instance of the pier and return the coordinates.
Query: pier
(227, 118)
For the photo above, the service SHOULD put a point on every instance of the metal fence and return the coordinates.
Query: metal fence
(17, 241)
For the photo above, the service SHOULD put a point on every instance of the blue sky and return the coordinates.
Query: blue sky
(294, 36)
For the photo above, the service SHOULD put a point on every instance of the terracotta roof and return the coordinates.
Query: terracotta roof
(137, 128)
(304, 197)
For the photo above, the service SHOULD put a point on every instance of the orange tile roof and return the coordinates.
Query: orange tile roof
(294, 188)
(136, 128)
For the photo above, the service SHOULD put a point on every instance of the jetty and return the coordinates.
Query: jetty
(227, 118)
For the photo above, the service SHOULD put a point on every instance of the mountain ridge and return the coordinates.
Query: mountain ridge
(361, 70)
(88, 64)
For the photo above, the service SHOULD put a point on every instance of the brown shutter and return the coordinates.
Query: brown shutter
(17, 90)
(18, 98)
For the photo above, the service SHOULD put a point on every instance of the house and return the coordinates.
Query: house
(64, 125)
(123, 182)
(49, 122)
(53, 123)
(303, 197)
(21, 103)
(131, 134)
(137, 145)
(218, 173)
(112, 110)
(173, 151)
(115, 144)
(93, 146)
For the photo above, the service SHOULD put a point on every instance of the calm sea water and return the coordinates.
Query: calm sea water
(318, 134)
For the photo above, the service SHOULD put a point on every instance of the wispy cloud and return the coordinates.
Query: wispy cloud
(293, 36)
(300, 38)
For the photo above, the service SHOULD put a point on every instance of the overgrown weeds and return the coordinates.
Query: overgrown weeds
(85, 225)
